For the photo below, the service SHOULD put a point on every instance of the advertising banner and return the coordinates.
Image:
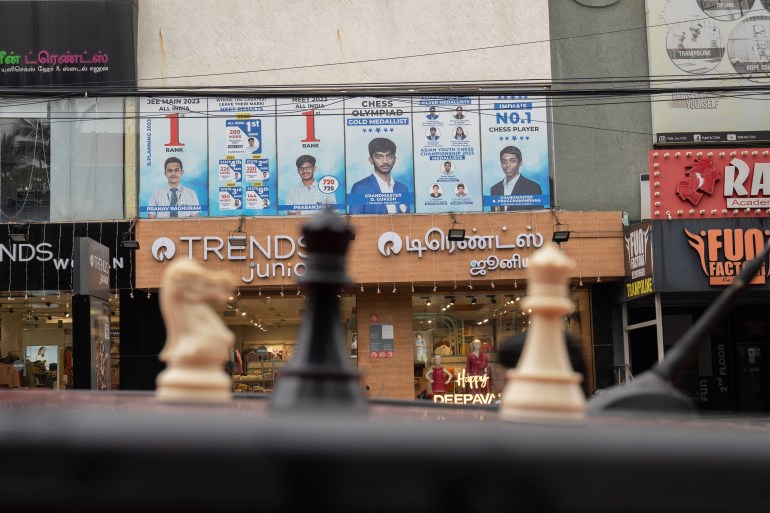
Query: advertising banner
(447, 158)
(378, 149)
(691, 183)
(707, 255)
(298, 155)
(242, 177)
(514, 139)
(69, 43)
(173, 173)
(311, 149)
(637, 250)
(724, 43)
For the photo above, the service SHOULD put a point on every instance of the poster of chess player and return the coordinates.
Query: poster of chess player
(431, 115)
(447, 169)
(380, 192)
(433, 134)
(459, 114)
(514, 183)
(460, 134)
(173, 199)
(306, 196)
(435, 191)
(460, 191)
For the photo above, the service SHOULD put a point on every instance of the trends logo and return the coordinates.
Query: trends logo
(390, 242)
(163, 249)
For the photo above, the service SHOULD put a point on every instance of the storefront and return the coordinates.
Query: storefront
(413, 289)
(38, 312)
(710, 217)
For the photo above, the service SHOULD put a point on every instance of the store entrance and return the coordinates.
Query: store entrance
(752, 355)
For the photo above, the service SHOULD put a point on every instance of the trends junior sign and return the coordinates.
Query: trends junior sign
(706, 184)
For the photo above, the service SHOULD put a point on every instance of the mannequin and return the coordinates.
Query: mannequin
(420, 350)
(477, 364)
(438, 377)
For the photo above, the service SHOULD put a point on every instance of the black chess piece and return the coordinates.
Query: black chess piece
(319, 377)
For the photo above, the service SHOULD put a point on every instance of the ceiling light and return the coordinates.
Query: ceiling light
(129, 237)
(237, 238)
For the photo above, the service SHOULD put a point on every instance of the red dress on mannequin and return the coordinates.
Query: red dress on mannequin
(478, 366)
(439, 380)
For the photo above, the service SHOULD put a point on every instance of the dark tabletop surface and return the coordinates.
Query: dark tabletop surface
(122, 451)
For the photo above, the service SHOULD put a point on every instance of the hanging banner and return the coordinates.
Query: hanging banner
(378, 149)
(514, 137)
(725, 43)
(311, 149)
(447, 160)
(242, 156)
(173, 177)
(223, 156)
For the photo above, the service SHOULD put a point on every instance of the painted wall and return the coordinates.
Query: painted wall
(600, 144)
(280, 42)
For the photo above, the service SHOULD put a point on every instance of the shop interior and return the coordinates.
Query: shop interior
(36, 340)
(266, 326)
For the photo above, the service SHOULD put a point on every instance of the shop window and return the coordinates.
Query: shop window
(446, 325)
(61, 161)
(25, 161)
(87, 154)
(266, 328)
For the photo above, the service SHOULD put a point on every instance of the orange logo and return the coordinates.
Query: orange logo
(724, 253)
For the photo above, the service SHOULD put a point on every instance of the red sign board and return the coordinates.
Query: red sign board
(709, 184)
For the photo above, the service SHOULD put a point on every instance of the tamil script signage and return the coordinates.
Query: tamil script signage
(68, 43)
(271, 251)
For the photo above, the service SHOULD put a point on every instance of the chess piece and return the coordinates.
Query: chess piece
(319, 377)
(197, 341)
(543, 386)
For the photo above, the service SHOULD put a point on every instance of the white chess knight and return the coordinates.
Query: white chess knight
(197, 341)
(543, 386)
